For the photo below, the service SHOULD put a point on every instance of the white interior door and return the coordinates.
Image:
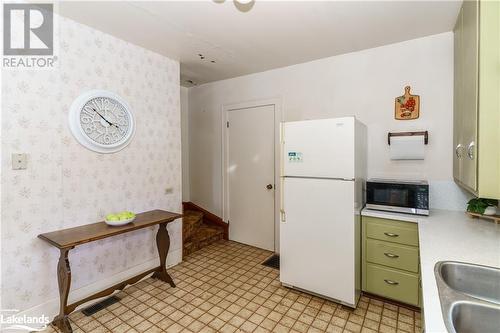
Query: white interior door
(250, 176)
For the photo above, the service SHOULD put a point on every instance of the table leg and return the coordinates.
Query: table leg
(64, 280)
(163, 243)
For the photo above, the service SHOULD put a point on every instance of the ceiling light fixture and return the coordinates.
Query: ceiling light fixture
(244, 5)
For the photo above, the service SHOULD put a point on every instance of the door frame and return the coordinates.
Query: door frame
(278, 119)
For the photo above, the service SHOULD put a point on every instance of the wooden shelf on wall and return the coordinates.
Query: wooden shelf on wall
(493, 218)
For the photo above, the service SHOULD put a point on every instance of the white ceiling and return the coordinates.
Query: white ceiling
(270, 35)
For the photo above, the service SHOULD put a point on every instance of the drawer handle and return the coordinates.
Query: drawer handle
(391, 282)
(390, 234)
(391, 255)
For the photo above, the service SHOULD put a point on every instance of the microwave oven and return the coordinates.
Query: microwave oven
(410, 197)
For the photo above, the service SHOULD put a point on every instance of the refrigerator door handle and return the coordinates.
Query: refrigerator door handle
(283, 216)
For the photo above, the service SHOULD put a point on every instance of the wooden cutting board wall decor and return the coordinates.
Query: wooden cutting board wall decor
(407, 107)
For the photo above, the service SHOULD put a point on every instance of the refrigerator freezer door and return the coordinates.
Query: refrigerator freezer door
(319, 148)
(317, 238)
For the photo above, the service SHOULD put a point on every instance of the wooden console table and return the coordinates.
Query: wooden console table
(67, 239)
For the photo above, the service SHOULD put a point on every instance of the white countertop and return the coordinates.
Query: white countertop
(447, 235)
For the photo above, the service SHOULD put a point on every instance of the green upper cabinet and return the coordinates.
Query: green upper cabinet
(476, 122)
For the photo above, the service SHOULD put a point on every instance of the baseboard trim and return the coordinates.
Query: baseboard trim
(50, 308)
(391, 301)
(208, 217)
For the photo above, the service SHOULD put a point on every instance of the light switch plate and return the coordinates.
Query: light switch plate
(19, 161)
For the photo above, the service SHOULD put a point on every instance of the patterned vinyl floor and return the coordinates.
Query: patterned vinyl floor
(224, 288)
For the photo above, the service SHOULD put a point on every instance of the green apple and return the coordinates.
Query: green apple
(112, 217)
(128, 214)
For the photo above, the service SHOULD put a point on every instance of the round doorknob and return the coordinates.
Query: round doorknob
(269, 186)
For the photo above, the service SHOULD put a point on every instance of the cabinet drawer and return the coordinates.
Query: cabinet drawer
(392, 231)
(392, 283)
(392, 255)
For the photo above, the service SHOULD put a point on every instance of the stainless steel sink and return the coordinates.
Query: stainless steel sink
(472, 317)
(470, 296)
(481, 282)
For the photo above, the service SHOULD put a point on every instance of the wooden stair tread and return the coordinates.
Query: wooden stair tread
(206, 231)
(192, 216)
(198, 231)
(202, 236)
(191, 221)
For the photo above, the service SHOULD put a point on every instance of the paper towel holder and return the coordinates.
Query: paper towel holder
(424, 133)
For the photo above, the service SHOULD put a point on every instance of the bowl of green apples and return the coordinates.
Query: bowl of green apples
(117, 219)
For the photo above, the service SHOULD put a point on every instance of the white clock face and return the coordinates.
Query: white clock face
(101, 121)
(104, 121)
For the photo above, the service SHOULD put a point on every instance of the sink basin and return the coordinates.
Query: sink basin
(474, 280)
(470, 297)
(469, 317)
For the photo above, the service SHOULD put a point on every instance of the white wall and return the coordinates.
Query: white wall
(66, 185)
(185, 142)
(363, 84)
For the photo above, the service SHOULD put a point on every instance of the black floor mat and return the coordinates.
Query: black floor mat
(99, 306)
(273, 261)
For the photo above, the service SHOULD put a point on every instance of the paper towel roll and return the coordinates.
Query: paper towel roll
(407, 147)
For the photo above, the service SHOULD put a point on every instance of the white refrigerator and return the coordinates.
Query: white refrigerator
(323, 176)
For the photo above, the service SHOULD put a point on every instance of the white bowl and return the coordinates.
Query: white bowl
(119, 222)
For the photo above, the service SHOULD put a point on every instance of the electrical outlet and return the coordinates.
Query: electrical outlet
(169, 190)
(19, 161)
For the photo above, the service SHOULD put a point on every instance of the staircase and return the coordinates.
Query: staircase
(196, 233)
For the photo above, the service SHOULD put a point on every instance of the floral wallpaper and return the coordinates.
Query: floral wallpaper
(66, 185)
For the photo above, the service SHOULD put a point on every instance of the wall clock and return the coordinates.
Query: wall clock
(101, 121)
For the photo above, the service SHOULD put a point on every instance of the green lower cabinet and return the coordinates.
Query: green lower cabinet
(392, 283)
(392, 255)
(392, 231)
(390, 259)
